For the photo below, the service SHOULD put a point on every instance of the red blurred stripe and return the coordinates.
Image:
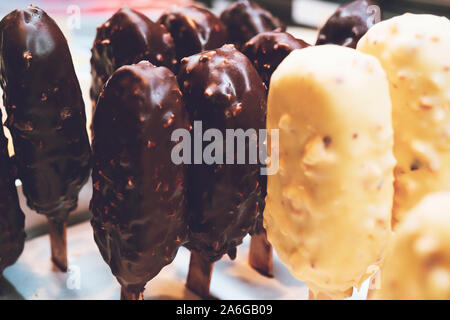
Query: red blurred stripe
(100, 6)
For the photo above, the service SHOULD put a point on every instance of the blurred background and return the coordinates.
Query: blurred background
(295, 12)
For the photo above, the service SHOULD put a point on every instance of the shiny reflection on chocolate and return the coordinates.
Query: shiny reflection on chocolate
(126, 38)
(349, 23)
(223, 90)
(45, 110)
(194, 29)
(138, 201)
(245, 19)
(12, 235)
(266, 51)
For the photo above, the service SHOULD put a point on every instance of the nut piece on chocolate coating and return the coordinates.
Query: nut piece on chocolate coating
(138, 201)
(245, 19)
(267, 49)
(126, 38)
(46, 115)
(12, 234)
(349, 23)
(194, 29)
(223, 90)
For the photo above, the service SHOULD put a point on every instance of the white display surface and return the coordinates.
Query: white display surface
(89, 277)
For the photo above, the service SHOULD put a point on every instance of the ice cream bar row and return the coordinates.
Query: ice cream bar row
(363, 135)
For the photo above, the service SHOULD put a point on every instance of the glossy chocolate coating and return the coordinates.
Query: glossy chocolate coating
(223, 90)
(12, 235)
(348, 24)
(194, 29)
(46, 115)
(266, 51)
(245, 19)
(126, 38)
(138, 198)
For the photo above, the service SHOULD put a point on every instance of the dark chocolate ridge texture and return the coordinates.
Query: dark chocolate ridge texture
(194, 29)
(12, 234)
(244, 19)
(349, 23)
(223, 90)
(126, 38)
(138, 202)
(46, 118)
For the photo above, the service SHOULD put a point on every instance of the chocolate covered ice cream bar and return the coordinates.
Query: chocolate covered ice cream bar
(245, 19)
(194, 29)
(46, 118)
(266, 50)
(126, 38)
(138, 202)
(222, 91)
(349, 23)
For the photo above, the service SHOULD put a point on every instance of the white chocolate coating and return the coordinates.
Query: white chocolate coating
(329, 206)
(417, 263)
(414, 50)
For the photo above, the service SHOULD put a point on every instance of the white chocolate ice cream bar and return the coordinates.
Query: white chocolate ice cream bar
(417, 264)
(414, 50)
(329, 206)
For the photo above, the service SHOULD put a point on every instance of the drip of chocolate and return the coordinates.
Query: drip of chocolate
(138, 201)
(194, 29)
(245, 19)
(126, 38)
(349, 23)
(12, 234)
(46, 117)
(266, 51)
(223, 91)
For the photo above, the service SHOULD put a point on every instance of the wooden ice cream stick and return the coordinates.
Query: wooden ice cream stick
(127, 293)
(324, 296)
(199, 275)
(261, 254)
(58, 242)
(318, 296)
